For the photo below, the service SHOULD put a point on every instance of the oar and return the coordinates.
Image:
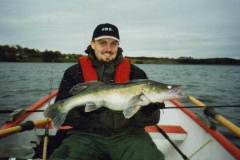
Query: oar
(219, 118)
(14, 110)
(28, 125)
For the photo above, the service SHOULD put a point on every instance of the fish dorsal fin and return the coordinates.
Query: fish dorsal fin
(80, 87)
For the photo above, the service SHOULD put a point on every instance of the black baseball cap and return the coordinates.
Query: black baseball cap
(106, 30)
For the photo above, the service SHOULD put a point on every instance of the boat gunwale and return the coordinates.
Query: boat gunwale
(227, 144)
(38, 104)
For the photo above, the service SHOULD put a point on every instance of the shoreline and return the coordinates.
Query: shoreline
(24, 55)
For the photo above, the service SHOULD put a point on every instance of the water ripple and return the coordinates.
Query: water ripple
(22, 84)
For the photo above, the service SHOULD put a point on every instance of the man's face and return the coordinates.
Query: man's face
(105, 49)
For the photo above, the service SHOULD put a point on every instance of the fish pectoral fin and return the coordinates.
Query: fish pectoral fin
(135, 104)
(89, 107)
(139, 100)
(130, 111)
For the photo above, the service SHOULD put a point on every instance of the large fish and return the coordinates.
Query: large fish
(128, 97)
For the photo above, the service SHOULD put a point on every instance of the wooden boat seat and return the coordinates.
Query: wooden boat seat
(175, 132)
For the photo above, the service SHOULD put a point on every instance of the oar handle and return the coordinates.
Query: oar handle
(228, 124)
(197, 102)
(23, 127)
(41, 122)
(9, 131)
(219, 118)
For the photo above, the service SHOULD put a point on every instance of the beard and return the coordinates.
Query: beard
(107, 57)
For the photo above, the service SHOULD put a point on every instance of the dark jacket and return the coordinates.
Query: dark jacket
(103, 121)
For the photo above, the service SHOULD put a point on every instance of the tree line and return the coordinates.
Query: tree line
(185, 60)
(17, 53)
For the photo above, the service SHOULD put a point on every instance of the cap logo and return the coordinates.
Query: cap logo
(107, 29)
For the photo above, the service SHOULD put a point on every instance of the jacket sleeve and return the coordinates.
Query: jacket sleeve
(148, 115)
(71, 77)
(65, 86)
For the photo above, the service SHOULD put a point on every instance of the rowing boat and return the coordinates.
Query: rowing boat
(192, 136)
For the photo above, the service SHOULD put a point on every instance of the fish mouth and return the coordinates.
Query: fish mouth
(176, 92)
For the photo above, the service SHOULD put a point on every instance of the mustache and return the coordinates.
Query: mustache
(107, 52)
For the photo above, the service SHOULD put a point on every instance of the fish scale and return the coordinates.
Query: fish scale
(128, 98)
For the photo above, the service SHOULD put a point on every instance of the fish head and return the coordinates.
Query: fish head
(159, 92)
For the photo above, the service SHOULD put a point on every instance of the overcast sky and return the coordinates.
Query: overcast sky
(159, 28)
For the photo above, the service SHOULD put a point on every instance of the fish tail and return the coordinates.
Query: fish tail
(56, 115)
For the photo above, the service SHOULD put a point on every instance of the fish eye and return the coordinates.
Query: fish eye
(169, 87)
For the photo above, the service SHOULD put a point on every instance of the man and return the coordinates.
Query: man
(106, 134)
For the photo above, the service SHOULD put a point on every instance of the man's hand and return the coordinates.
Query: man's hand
(150, 108)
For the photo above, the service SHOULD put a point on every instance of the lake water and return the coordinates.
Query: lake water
(21, 84)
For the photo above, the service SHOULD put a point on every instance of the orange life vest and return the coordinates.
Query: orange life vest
(122, 73)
